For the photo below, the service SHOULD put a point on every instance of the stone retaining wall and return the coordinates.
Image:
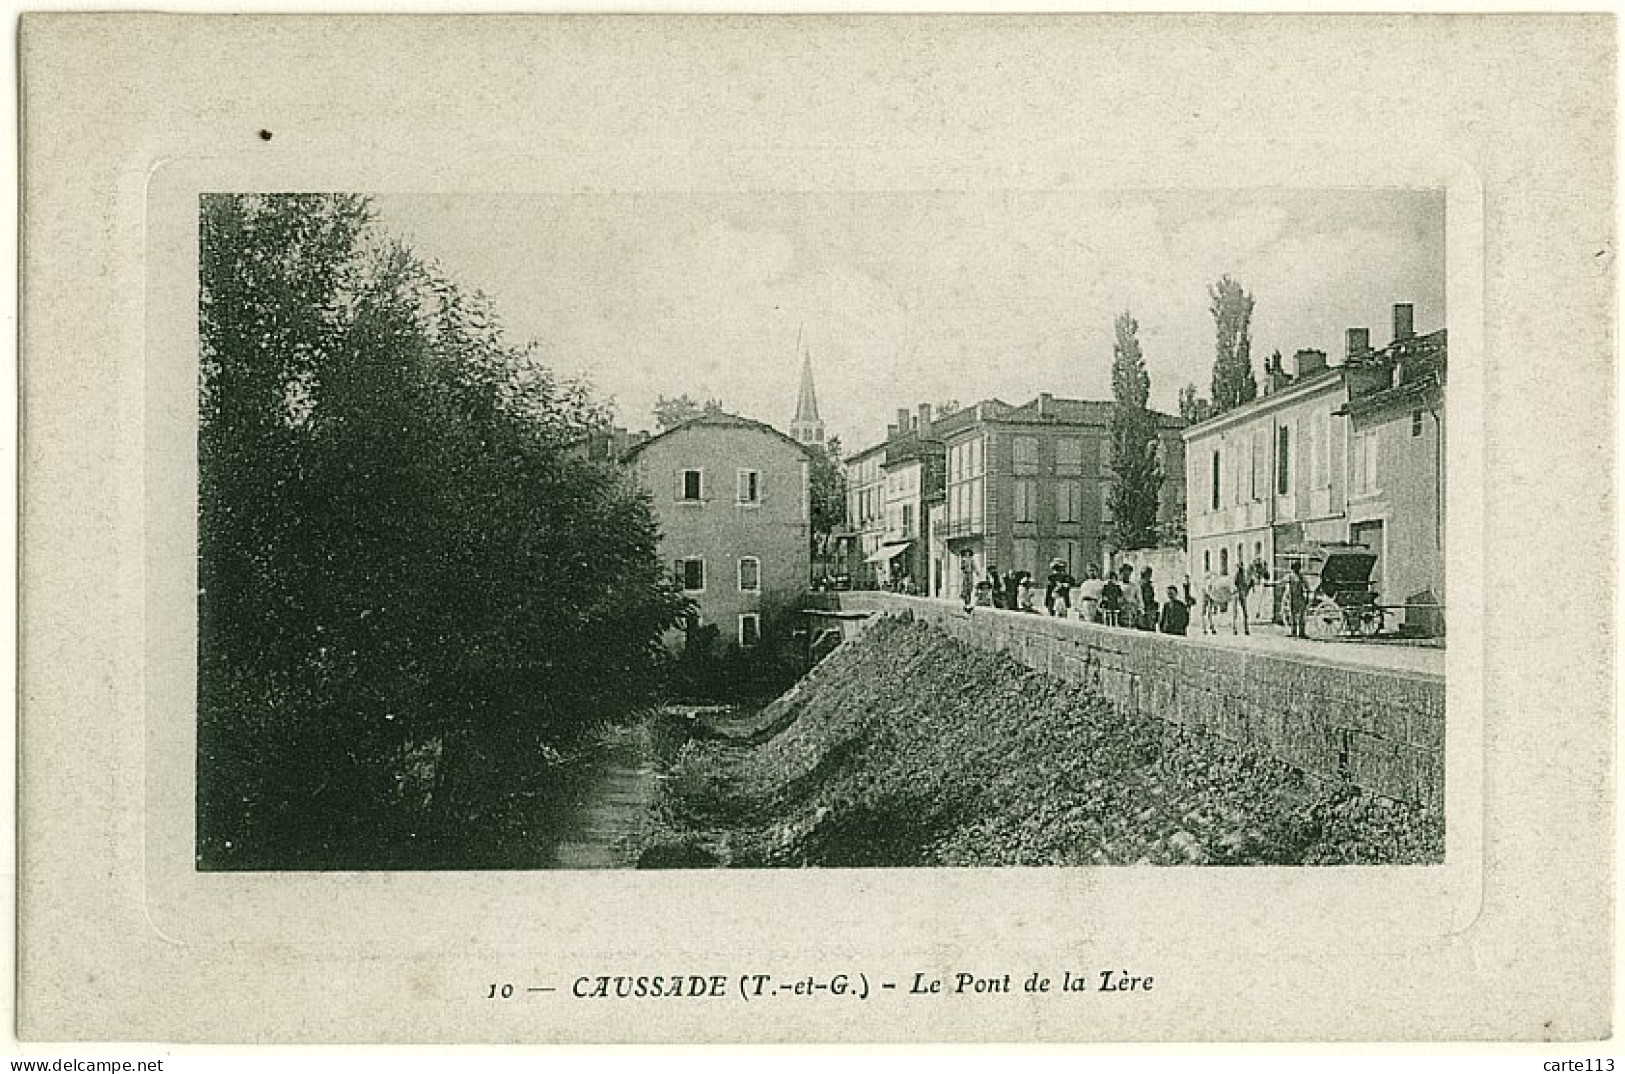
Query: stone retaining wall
(1381, 729)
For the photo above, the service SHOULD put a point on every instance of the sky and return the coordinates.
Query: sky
(903, 298)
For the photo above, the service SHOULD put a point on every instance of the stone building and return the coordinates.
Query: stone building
(1396, 504)
(913, 478)
(733, 501)
(1267, 479)
(1332, 454)
(1029, 484)
(865, 514)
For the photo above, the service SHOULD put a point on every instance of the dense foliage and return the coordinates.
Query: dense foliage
(1136, 475)
(827, 478)
(1233, 379)
(672, 412)
(412, 592)
(909, 748)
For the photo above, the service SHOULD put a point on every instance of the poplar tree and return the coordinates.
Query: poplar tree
(1136, 475)
(1233, 379)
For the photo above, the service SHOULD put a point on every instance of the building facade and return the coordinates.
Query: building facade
(865, 513)
(1396, 417)
(1026, 485)
(1351, 453)
(913, 478)
(1267, 479)
(733, 500)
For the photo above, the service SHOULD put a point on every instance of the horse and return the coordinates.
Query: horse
(1218, 591)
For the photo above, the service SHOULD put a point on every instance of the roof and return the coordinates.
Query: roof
(718, 419)
(1060, 411)
(807, 400)
(1330, 376)
(912, 446)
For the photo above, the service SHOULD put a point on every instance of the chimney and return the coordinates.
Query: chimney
(1359, 342)
(1046, 404)
(902, 420)
(1275, 376)
(1404, 321)
(924, 419)
(891, 432)
(1309, 362)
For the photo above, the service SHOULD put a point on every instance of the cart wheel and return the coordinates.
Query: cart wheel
(1371, 622)
(1323, 622)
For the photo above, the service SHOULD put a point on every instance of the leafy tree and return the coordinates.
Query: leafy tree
(828, 481)
(1233, 380)
(1136, 476)
(670, 413)
(411, 592)
(1192, 407)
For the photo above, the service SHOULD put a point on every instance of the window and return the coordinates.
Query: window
(1025, 494)
(1026, 455)
(1224, 561)
(1069, 455)
(1261, 463)
(750, 574)
(1216, 480)
(1068, 501)
(690, 485)
(1283, 461)
(1068, 550)
(750, 630)
(1105, 447)
(1365, 463)
(1207, 561)
(1320, 451)
(1026, 549)
(691, 572)
(750, 486)
(1416, 423)
(1105, 503)
(908, 520)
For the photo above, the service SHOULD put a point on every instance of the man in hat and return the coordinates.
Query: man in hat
(1058, 589)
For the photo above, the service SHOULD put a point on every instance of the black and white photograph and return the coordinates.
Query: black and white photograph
(912, 530)
(862, 530)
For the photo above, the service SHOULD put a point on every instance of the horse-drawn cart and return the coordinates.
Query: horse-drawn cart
(1344, 602)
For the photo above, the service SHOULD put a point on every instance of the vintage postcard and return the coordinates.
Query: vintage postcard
(816, 529)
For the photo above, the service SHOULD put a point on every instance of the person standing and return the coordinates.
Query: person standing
(1148, 600)
(1012, 590)
(1261, 588)
(967, 581)
(1297, 600)
(1130, 609)
(995, 586)
(1058, 589)
(1089, 595)
(1024, 593)
(1243, 584)
(1175, 615)
(1111, 600)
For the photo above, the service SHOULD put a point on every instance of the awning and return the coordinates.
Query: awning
(887, 552)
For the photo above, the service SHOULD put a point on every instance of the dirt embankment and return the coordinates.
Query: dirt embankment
(907, 747)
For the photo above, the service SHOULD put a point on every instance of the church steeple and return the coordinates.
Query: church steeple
(807, 427)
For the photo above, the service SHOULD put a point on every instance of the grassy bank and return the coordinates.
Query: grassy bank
(907, 747)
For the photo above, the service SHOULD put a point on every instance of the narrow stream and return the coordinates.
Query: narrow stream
(609, 803)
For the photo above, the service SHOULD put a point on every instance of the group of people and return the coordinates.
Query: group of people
(1120, 599)
(1115, 599)
(1221, 593)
